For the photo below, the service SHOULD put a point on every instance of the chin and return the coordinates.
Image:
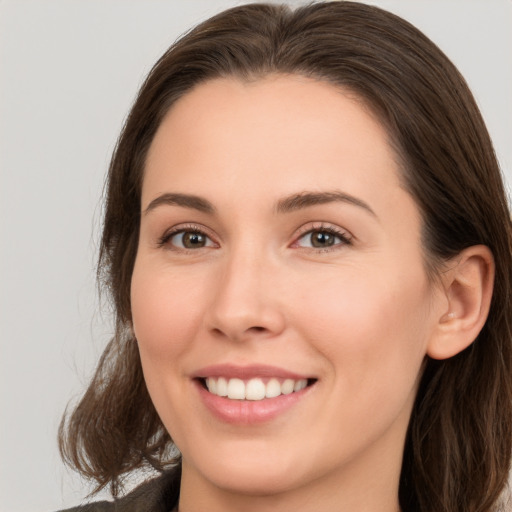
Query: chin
(255, 481)
(253, 472)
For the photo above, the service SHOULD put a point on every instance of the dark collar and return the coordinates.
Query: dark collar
(159, 494)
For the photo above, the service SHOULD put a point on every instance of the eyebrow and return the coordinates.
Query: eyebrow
(286, 205)
(185, 200)
(307, 199)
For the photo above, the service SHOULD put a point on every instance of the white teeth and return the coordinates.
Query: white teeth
(222, 387)
(300, 384)
(236, 389)
(273, 388)
(211, 384)
(254, 389)
(287, 386)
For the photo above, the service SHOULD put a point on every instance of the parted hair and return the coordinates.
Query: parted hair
(458, 447)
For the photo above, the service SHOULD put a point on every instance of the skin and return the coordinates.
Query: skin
(358, 316)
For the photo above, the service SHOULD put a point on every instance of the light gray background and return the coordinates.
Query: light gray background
(69, 70)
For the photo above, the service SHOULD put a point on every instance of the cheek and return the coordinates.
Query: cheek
(165, 313)
(371, 330)
(166, 317)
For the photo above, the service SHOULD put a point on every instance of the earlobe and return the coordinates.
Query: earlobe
(468, 286)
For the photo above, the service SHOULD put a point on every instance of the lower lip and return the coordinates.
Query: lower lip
(248, 412)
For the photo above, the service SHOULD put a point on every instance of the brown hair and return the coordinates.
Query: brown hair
(458, 446)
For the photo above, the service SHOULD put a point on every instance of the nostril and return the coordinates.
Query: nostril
(257, 329)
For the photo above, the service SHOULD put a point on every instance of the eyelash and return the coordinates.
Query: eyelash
(344, 237)
(187, 228)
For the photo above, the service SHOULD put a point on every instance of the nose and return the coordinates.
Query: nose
(245, 303)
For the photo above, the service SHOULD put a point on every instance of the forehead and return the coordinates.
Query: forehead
(277, 134)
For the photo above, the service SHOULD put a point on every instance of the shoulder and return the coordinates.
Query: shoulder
(157, 495)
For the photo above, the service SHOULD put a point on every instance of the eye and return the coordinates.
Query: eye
(322, 238)
(187, 239)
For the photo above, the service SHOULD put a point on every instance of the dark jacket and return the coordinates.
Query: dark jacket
(157, 495)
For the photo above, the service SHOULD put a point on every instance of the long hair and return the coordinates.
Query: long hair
(458, 446)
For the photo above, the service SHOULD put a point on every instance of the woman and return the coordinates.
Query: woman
(307, 243)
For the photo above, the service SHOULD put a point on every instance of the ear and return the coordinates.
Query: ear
(468, 285)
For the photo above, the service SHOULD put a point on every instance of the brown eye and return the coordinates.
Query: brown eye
(190, 240)
(322, 239)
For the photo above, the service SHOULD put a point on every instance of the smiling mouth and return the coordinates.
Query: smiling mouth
(253, 389)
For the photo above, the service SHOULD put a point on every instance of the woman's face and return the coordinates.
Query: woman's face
(278, 250)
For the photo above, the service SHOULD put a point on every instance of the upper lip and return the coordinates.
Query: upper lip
(246, 372)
